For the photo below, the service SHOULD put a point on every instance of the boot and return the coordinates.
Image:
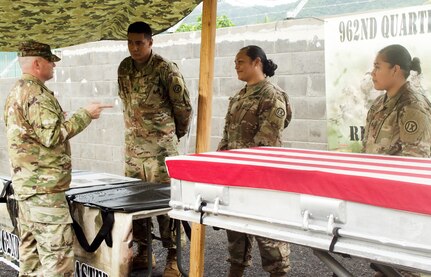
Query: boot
(140, 258)
(236, 270)
(141, 262)
(282, 274)
(171, 268)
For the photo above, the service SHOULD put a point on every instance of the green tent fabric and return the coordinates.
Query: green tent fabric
(62, 23)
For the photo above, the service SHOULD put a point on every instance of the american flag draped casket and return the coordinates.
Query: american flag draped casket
(370, 206)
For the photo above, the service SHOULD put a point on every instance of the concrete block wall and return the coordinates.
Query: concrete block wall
(88, 73)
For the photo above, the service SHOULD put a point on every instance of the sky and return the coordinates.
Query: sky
(269, 3)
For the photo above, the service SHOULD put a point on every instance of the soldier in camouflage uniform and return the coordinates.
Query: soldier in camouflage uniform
(38, 143)
(157, 112)
(256, 116)
(399, 121)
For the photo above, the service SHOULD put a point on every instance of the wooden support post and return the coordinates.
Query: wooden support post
(206, 75)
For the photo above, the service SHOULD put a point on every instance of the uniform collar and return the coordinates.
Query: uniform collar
(29, 77)
(251, 89)
(392, 101)
(144, 67)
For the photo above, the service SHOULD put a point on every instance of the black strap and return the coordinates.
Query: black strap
(334, 239)
(187, 229)
(174, 228)
(203, 204)
(11, 203)
(104, 233)
(5, 192)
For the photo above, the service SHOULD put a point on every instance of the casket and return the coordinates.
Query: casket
(370, 206)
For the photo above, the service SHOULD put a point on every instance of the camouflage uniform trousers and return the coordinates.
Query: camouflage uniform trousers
(46, 236)
(152, 170)
(274, 254)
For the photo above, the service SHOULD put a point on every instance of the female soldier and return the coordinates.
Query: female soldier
(399, 121)
(256, 116)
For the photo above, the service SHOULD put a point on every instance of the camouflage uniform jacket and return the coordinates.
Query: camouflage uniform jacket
(38, 135)
(400, 125)
(156, 106)
(256, 116)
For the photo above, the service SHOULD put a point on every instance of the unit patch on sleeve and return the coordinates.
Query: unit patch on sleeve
(280, 112)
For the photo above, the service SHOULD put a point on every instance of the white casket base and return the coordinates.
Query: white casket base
(382, 235)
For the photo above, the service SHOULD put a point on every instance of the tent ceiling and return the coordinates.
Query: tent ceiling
(62, 23)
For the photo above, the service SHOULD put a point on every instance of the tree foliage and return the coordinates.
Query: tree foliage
(221, 22)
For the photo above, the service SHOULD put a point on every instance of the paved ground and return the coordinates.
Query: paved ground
(6, 271)
(304, 263)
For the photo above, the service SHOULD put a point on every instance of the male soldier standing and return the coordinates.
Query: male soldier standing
(38, 143)
(157, 113)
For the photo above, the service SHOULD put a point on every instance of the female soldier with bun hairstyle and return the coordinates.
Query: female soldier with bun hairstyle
(399, 121)
(256, 116)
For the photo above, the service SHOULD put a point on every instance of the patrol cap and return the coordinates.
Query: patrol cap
(33, 48)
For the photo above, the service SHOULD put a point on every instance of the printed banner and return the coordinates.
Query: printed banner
(351, 45)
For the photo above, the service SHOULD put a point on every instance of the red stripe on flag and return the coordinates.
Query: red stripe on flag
(373, 191)
(320, 173)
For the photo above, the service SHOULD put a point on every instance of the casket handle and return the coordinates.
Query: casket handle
(305, 220)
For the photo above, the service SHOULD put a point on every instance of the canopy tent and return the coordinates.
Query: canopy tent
(62, 23)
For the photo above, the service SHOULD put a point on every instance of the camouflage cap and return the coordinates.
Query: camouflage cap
(33, 48)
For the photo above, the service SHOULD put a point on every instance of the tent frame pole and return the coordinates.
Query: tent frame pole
(206, 75)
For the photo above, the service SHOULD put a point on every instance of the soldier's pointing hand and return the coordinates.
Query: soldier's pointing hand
(95, 109)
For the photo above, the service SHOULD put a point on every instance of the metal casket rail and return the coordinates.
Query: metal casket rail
(384, 235)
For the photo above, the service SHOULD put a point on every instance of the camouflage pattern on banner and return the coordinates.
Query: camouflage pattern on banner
(62, 23)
